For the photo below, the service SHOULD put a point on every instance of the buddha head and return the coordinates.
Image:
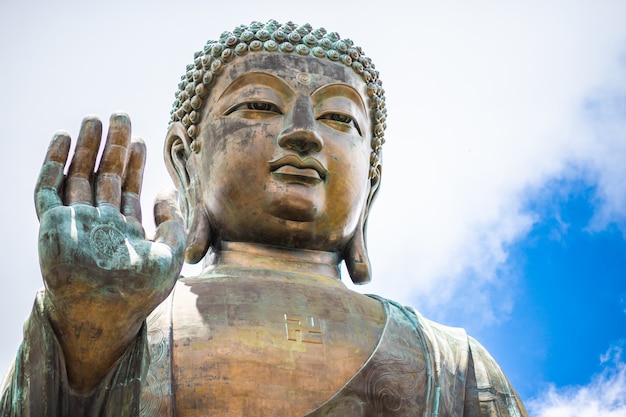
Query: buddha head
(276, 138)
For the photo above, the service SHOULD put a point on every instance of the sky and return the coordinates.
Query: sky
(503, 200)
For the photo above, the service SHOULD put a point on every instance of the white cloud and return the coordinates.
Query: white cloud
(498, 107)
(604, 396)
(607, 153)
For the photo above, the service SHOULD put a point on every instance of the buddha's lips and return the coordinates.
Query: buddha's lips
(307, 167)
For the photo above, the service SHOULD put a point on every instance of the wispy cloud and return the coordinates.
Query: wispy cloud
(465, 154)
(604, 396)
(606, 113)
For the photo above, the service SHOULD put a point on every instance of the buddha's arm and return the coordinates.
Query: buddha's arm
(37, 384)
(102, 276)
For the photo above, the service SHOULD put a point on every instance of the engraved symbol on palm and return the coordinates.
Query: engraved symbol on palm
(108, 245)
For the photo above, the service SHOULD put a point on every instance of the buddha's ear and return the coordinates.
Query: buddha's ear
(180, 160)
(176, 152)
(374, 185)
(356, 256)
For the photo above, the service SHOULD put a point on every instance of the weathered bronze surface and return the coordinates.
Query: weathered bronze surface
(275, 151)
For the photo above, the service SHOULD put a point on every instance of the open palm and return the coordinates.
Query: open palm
(102, 275)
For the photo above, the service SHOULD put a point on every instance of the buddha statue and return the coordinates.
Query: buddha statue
(275, 148)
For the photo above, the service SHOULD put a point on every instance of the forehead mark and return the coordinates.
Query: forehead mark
(304, 78)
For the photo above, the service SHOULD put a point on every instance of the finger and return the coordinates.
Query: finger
(50, 180)
(169, 220)
(78, 187)
(109, 176)
(131, 190)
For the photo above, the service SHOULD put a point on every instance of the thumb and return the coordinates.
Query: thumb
(169, 220)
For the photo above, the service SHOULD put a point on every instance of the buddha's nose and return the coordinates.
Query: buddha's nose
(300, 133)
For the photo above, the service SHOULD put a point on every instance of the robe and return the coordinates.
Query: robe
(418, 368)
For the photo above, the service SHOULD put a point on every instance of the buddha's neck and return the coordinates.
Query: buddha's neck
(253, 255)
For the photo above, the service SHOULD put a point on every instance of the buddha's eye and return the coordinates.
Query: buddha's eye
(340, 121)
(258, 105)
(338, 118)
(255, 109)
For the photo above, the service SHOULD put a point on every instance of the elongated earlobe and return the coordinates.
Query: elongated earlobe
(198, 235)
(356, 258)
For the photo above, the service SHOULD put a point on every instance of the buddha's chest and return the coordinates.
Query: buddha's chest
(267, 347)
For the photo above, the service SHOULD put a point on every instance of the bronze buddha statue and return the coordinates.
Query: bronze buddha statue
(275, 147)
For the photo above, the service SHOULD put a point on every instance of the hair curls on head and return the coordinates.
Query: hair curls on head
(286, 38)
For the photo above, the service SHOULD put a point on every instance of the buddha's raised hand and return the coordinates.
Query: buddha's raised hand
(102, 275)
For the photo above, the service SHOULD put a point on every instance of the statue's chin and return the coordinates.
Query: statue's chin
(294, 210)
(296, 202)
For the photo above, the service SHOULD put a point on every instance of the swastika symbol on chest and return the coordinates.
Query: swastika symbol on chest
(303, 329)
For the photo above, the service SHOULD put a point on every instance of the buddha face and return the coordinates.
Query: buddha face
(284, 149)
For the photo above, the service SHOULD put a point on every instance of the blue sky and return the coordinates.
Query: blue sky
(570, 309)
(503, 202)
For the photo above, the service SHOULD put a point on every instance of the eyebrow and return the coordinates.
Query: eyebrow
(268, 80)
(352, 93)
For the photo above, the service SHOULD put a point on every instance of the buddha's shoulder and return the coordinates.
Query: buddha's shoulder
(434, 331)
